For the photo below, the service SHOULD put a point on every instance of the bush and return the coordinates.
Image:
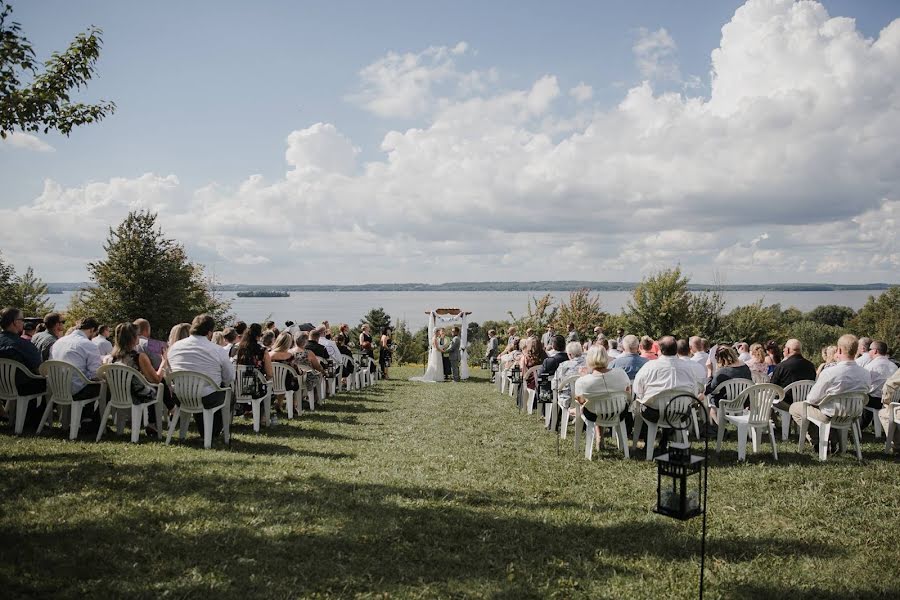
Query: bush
(582, 309)
(814, 336)
(752, 323)
(831, 314)
(879, 319)
(661, 305)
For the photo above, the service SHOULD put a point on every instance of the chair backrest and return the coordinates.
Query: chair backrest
(280, 372)
(732, 388)
(799, 389)
(608, 406)
(759, 377)
(188, 387)
(345, 360)
(118, 382)
(895, 397)
(531, 372)
(241, 394)
(8, 370)
(60, 375)
(761, 396)
(846, 407)
(674, 406)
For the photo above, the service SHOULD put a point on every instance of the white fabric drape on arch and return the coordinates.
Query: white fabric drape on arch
(434, 371)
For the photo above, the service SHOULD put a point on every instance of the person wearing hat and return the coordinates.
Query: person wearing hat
(28, 330)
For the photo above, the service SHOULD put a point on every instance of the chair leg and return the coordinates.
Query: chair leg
(754, 436)
(824, 435)
(856, 436)
(720, 434)
(636, 431)
(48, 413)
(742, 440)
(578, 423)
(772, 437)
(185, 424)
(695, 422)
(588, 439)
(137, 419)
(173, 422)
(268, 410)
(623, 438)
(75, 420)
(120, 421)
(21, 407)
(103, 419)
(255, 407)
(804, 426)
(889, 438)
(876, 422)
(651, 439)
(208, 427)
(289, 401)
(227, 414)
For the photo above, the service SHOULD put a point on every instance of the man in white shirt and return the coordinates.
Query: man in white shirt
(844, 376)
(886, 413)
(684, 353)
(697, 353)
(199, 354)
(330, 346)
(880, 369)
(744, 352)
(78, 350)
(862, 355)
(668, 372)
(102, 340)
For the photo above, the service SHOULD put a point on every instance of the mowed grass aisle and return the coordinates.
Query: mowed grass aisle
(417, 490)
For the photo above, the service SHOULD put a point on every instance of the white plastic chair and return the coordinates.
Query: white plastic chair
(733, 388)
(758, 377)
(561, 411)
(609, 408)
(353, 376)
(674, 408)
(60, 375)
(14, 402)
(280, 372)
(876, 422)
(242, 396)
(528, 394)
(118, 380)
(893, 421)
(798, 390)
(750, 421)
(846, 410)
(365, 375)
(188, 388)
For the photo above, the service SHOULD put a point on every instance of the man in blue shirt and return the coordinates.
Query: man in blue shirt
(13, 347)
(630, 361)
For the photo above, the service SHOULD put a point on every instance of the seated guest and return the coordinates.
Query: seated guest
(880, 369)
(666, 373)
(773, 355)
(176, 334)
(647, 348)
(845, 376)
(267, 339)
(53, 330)
(863, 356)
(102, 340)
(684, 353)
(314, 345)
(743, 350)
(793, 368)
(512, 343)
(307, 361)
(559, 356)
(197, 353)
(231, 337)
(334, 353)
(78, 350)
(629, 361)
(533, 356)
(613, 351)
(28, 331)
(125, 352)
(886, 413)
(697, 353)
(511, 358)
(239, 328)
(218, 339)
(757, 361)
(152, 348)
(572, 334)
(251, 354)
(728, 366)
(828, 353)
(13, 347)
(574, 366)
(344, 349)
(601, 379)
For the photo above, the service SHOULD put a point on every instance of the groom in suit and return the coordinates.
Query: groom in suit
(443, 346)
(453, 350)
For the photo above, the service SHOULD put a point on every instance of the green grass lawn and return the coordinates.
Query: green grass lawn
(418, 490)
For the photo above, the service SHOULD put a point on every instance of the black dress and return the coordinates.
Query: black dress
(369, 351)
(385, 356)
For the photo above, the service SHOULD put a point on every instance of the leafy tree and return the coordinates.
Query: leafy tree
(661, 305)
(541, 313)
(706, 318)
(146, 275)
(814, 336)
(409, 349)
(474, 333)
(377, 319)
(7, 283)
(831, 314)
(44, 104)
(31, 295)
(879, 318)
(582, 309)
(501, 327)
(752, 323)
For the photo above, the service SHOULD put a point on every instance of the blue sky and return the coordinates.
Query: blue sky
(210, 91)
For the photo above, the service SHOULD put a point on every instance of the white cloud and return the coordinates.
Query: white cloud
(582, 92)
(788, 169)
(656, 55)
(26, 141)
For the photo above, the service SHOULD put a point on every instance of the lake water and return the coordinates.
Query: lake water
(349, 307)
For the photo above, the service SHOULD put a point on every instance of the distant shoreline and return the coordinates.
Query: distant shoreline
(520, 286)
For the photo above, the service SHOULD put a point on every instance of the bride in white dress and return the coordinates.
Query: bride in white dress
(435, 371)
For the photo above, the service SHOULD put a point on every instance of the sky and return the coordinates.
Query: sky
(366, 142)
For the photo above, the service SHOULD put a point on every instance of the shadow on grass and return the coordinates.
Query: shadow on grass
(753, 591)
(227, 531)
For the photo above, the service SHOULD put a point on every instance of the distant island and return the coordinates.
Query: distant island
(268, 291)
(263, 294)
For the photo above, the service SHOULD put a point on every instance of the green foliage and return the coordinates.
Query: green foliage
(541, 313)
(474, 332)
(406, 351)
(476, 351)
(831, 314)
(30, 295)
(7, 283)
(752, 323)
(582, 309)
(706, 318)
(661, 305)
(146, 275)
(377, 319)
(44, 104)
(879, 318)
(501, 327)
(814, 336)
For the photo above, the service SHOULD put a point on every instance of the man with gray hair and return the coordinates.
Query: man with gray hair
(862, 353)
(629, 361)
(880, 369)
(697, 353)
(574, 366)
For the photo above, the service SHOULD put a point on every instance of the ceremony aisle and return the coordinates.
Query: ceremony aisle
(420, 490)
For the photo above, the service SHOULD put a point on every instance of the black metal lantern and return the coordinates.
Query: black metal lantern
(495, 368)
(679, 483)
(545, 392)
(330, 371)
(485, 363)
(515, 375)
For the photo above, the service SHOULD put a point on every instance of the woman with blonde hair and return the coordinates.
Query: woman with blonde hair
(757, 362)
(600, 379)
(828, 353)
